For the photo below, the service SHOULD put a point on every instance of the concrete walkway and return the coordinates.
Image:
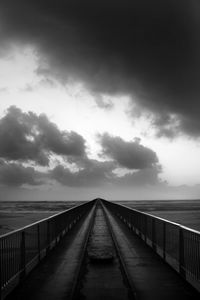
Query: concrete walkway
(53, 279)
(152, 278)
(102, 277)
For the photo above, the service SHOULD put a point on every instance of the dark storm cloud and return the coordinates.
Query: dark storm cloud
(60, 142)
(26, 136)
(94, 173)
(142, 177)
(101, 174)
(131, 155)
(17, 140)
(12, 174)
(149, 49)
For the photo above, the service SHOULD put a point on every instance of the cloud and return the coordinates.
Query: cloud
(17, 140)
(101, 175)
(60, 142)
(143, 177)
(94, 173)
(26, 136)
(30, 138)
(131, 155)
(103, 103)
(3, 90)
(12, 174)
(148, 49)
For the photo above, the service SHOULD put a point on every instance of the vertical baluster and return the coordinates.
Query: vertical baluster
(9, 272)
(22, 255)
(181, 253)
(48, 237)
(188, 258)
(3, 263)
(38, 240)
(1, 273)
(194, 255)
(191, 267)
(6, 266)
(164, 240)
(14, 260)
(191, 261)
(2, 266)
(146, 229)
(139, 225)
(198, 257)
(11, 258)
(18, 251)
(8, 251)
(5, 260)
(153, 235)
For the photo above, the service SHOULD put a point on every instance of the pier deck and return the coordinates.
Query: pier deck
(101, 258)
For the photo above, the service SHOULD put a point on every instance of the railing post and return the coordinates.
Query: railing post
(140, 225)
(145, 230)
(164, 240)
(15, 246)
(48, 237)
(153, 235)
(38, 234)
(181, 253)
(1, 273)
(22, 256)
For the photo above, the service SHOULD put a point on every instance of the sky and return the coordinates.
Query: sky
(99, 99)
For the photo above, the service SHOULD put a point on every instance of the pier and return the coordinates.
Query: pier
(101, 250)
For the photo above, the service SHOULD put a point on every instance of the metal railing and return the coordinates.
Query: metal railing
(21, 250)
(178, 245)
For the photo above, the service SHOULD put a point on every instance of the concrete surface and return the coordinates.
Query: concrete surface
(152, 277)
(102, 278)
(53, 279)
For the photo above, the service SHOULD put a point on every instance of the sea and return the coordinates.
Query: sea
(15, 215)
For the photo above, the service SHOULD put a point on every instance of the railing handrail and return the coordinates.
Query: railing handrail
(176, 244)
(41, 221)
(156, 217)
(22, 249)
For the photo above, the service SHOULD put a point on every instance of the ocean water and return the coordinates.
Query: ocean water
(184, 212)
(14, 215)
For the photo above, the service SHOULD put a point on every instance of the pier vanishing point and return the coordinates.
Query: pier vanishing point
(101, 250)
